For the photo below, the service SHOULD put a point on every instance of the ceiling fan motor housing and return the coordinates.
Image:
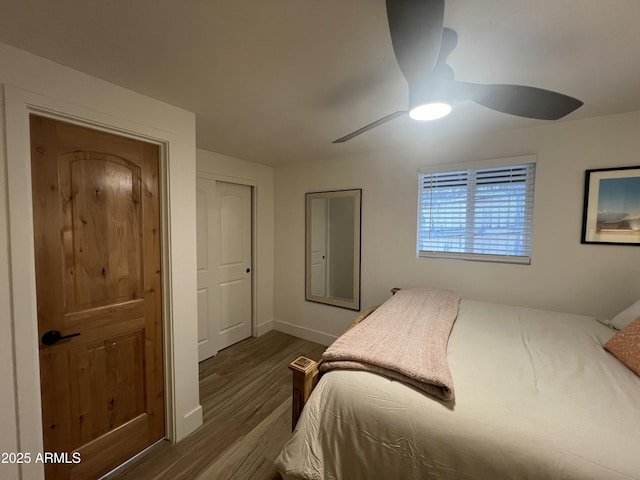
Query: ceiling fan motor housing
(435, 89)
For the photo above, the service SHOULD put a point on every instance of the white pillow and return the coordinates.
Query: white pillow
(626, 316)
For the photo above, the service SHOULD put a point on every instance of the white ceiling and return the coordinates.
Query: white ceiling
(276, 81)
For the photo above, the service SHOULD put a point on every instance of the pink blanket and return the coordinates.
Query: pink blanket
(404, 339)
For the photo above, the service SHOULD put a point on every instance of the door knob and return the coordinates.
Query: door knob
(248, 270)
(53, 336)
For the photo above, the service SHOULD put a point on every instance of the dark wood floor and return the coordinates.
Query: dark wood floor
(245, 393)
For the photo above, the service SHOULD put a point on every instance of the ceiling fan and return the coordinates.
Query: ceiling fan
(421, 46)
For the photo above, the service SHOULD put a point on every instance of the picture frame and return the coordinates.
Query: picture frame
(611, 213)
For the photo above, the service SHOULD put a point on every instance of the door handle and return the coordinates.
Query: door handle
(54, 336)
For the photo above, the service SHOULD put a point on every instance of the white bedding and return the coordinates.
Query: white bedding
(537, 397)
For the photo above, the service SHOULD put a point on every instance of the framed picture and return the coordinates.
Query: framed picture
(612, 206)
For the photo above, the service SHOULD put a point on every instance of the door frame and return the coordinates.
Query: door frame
(254, 189)
(19, 104)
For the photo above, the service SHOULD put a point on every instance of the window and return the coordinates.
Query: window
(477, 213)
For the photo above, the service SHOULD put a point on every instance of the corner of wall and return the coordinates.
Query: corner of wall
(9, 438)
(304, 332)
(264, 327)
(191, 422)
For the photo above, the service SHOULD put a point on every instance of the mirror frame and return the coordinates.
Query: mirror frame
(356, 194)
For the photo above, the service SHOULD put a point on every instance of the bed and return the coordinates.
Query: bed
(536, 397)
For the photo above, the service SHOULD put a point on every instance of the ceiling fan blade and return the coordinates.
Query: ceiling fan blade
(416, 32)
(519, 100)
(366, 128)
(448, 44)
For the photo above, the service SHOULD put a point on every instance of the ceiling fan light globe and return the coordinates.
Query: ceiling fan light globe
(430, 111)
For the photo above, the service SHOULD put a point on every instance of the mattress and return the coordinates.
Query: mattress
(537, 397)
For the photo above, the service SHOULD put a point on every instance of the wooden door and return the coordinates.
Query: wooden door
(97, 249)
(206, 219)
(232, 260)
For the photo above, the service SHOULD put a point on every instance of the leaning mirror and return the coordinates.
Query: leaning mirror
(333, 248)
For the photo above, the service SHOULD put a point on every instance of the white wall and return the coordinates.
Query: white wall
(564, 275)
(229, 169)
(32, 83)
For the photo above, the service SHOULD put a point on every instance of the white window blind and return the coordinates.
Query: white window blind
(477, 214)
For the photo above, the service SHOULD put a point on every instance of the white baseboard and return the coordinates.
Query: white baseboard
(303, 332)
(192, 420)
(263, 328)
